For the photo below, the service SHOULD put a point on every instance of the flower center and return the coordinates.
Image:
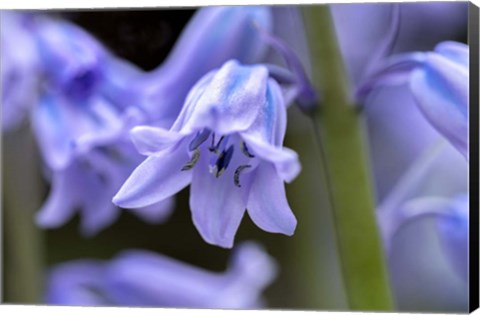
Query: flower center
(221, 154)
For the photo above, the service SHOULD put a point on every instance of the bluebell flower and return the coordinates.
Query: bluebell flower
(72, 112)
(81, 121)
(418, 196)
(438, 81)
(18, 68)
(226, 143)
(142, 278)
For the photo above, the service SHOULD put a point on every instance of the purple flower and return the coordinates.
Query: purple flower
(72, 112)
(18, 68)
(142, 278)
(418, 196)
(438, 81)
(226, 143)
(81, 124)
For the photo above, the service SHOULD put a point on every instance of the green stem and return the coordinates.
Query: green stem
(341, 138)
(23, 260)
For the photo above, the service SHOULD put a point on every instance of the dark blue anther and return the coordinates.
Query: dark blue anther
(200, 138)
(222, 162)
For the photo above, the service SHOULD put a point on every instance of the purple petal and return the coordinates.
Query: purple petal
(454, 229)
(267, 202)
(76, 283)
(148, 279)
(60, 204)
(441, 91)
(230, 102)
(52, 134)
(156, 179)
(454, 51)
(151, 140)
(265, 136)
(285, 160)
(217, 204)
(250, 270)
(271, 122)
(70, 56)
(393, 71)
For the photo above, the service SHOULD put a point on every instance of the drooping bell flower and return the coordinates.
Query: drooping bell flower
(142, 278)
(81, 124)
(438, 81)
(18, 68)
(72, 109)
(417, 196)
(227, 144)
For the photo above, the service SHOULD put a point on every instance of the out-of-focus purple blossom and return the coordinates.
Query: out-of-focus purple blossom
(213, 36)
(142, 278)
(422, 26)
(81, 120)
(226, 143)
(18, 68)
(438, 81)
(87, 185)
(428, 204)
(72, 111)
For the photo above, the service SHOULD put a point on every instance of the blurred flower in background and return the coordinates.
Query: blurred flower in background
(142, 278)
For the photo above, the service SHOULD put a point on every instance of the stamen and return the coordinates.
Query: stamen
(222, 143)
(212, 145)
(190, 164)
(244, 149)
(200, 138)
(238, 171)
(222, 162)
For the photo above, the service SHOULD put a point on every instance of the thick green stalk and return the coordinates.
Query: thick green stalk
(341, 137)
(23, 242)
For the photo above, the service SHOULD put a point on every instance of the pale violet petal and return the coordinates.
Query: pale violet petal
(231, 101)
(217, 205)
(143, 278)
(76, 283)
(156, 179)
(53, 135)
(151, 140)
(285, 160)
(455, 51)
(454, 234)
(441, 91)
(267, 202)
(60, 203)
